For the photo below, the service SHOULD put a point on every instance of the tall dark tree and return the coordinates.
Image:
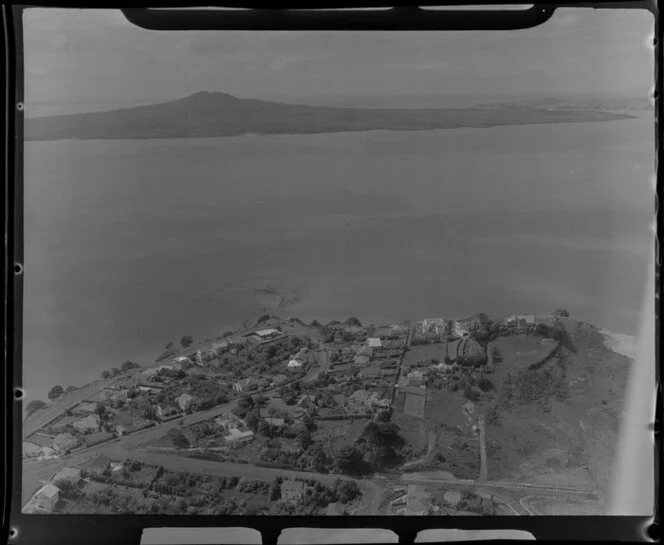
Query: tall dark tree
(55, 392)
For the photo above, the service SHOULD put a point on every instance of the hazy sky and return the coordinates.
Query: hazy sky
(98, 56)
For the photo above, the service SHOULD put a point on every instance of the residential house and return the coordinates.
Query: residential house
(64, 442)
(220, 347)
(84, 408)
(62, 424)
(295, 365)
(228, 420)
(264, 336)
(374, 342)
(244, 385)
(120, 430)
(359, 400)
(89, 424)
(416, 378)
(276, 422)
(116, 466)
(469, 408)
(431, 325)
(452, 498)
(236, 437)
(184, 401)
(361, 360)
(526, 319)
(445, 367)
(364, 350)
(151, 372)
(164, 410)
(44, 500)
(279, 379)
(370, 373)
(70, 474)
(292, 491)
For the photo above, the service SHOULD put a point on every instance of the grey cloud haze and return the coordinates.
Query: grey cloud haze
(97, 56)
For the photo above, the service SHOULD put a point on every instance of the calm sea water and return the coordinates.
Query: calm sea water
(131, 244)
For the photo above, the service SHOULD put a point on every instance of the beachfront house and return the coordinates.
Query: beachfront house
(245, 385)
(30, 450)
(44, 500)
(89, 424)
(184, 401)
(292, 491)
(431, 325)
(64, 442)
(460, 329)
(264, 336)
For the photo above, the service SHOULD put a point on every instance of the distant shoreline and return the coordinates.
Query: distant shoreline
(205, 115)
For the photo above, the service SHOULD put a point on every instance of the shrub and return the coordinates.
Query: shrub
(485, 384)
(542, 329)
(561, 312)
(186, 341)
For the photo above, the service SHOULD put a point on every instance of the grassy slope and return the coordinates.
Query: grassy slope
(219, 114)
(567, 442)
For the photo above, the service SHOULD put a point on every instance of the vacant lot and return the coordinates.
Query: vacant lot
(414, 405)
(424, 353)
(413, 430)
(339, 433)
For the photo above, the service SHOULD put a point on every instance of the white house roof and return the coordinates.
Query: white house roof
(294, 363)
(374, 342)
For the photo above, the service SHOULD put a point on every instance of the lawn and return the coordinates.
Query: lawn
(520, 351)
(424, 353)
